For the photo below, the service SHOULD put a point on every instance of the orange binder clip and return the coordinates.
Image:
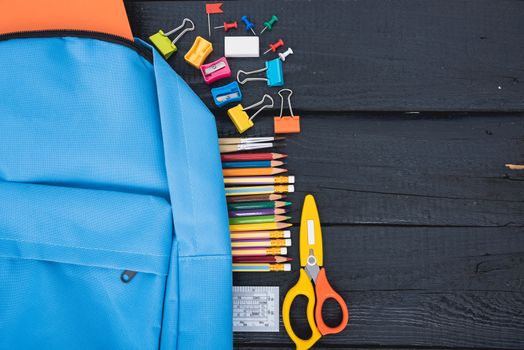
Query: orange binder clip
(286, 124)
(198, 53)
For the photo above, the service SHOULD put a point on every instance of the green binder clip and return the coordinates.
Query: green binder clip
(164, 44)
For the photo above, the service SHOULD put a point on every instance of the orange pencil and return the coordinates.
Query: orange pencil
(252, 171)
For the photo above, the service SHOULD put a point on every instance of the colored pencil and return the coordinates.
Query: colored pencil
(260, 235)
(272, 259)
(259, 180)
(242, 191)
(257, 205)
(248, 146)
(265, 243)
(253, 171)
(515, 166)
(251, 156)
(253, 164)
(256, 212)
(258, 219)
(242, 140)
(259, 251)
(259, 227)
(260, 267)
(256, 198)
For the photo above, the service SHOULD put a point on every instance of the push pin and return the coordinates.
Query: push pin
(286, 124)
(198, 53)
(249, 25)
(164, 44)
(269, 24)
(274, 74)
(240, 118)
(275, 46)
(228, 26)
(215, 70)
(284, 54)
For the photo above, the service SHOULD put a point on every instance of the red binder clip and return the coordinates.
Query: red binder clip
(286, 124)
(215, 70)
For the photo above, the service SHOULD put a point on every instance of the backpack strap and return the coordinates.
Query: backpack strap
(104, 16)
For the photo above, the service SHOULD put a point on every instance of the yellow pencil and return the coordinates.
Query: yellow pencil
(248, 190)
(259, 227)
(277, 234)
(260, 267)
(259, 251)
(262, 243)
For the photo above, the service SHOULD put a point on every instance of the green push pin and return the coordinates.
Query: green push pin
(164, 44)
(269, 24)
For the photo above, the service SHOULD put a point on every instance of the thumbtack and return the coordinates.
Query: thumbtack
(275, 46)
(249, 25)
(284, 54)
(164, 44)
(269, 24)
(228, 26)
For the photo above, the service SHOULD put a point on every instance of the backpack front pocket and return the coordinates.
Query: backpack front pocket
(81, 268)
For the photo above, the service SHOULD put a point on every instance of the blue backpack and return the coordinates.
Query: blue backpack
(113, 221)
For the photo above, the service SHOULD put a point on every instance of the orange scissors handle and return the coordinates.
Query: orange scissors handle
(324, 291)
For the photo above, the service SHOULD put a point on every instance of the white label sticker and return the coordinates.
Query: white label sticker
(311, 232)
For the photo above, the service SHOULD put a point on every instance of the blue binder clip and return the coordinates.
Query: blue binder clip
(274, 74)
(223, 95)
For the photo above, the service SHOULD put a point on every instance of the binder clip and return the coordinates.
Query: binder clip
(164, 44)
(274, 74)
(215, 70)
(240, 118)
(286, 124)
(198, 53)
(223, 95)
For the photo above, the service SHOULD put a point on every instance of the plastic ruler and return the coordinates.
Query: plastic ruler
(255, 309)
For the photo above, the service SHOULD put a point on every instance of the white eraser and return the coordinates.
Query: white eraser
(287, 233)
(241, 46)
(287, 242)
(283, 251)
(291, 188)
(291, 179)
(287, 267)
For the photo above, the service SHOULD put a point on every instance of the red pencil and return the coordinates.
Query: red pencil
(251, 156)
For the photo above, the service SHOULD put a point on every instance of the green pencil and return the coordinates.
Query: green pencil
(257, 219)
(257, 205)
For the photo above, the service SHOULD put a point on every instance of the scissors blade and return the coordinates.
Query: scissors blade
(310, 232)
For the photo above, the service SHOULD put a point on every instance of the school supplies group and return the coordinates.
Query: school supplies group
(258, 215)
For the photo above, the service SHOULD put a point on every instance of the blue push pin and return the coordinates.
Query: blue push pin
(249, 25)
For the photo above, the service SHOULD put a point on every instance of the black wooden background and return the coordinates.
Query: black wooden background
(410, 109)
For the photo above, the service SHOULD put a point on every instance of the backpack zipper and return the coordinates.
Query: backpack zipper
(53, 33)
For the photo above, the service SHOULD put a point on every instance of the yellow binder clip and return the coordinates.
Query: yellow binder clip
(164, 44)
(240, 118)
(198, 53)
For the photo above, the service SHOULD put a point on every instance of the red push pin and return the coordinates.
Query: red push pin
(275, 46)
(228, 26)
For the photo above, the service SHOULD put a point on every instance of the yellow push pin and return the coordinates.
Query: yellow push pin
(240, 118)
(164, 44)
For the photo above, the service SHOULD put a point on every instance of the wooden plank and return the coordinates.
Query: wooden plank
(398, 170)
(424, 287)
(367, 55)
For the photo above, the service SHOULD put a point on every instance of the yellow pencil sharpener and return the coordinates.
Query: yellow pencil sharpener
(240, 118)
(199, 51)
(163, 44)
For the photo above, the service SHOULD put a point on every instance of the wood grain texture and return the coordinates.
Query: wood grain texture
(424, 287)
(367, 55)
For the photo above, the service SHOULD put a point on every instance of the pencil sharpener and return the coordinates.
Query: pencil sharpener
(223, 95)
(215, 70)
(240, 118)
(274, 73)
(198, 53)
(287, 124)
(163, 44)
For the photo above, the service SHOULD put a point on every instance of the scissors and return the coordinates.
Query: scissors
(312, 282)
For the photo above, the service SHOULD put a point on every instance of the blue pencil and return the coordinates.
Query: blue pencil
(253, 164)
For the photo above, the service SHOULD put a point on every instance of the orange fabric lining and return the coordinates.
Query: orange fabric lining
(105, 16)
